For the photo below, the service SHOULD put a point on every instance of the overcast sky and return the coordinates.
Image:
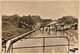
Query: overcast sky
(46, 9)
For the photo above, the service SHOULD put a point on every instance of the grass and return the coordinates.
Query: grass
(8, 30)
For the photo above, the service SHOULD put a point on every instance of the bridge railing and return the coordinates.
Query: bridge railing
(19, 38)
(69, 35)
(10, 49)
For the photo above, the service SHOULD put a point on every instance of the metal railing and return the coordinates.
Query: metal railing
(10, 49)
(69, 35)
(19, 38)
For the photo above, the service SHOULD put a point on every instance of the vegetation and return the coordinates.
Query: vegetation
(68, 20)
(45, 21)
(30, 20)
(11, 25)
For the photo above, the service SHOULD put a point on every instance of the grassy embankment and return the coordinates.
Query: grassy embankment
(9, 29)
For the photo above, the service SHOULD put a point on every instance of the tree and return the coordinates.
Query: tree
(67, 20)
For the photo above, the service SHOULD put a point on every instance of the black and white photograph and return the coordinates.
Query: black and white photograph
(40, 26)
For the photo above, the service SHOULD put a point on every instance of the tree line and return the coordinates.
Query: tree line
(67, 20)
(31, 20)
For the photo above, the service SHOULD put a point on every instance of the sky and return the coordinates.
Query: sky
(45, 9)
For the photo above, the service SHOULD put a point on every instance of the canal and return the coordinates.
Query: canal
(26, 45)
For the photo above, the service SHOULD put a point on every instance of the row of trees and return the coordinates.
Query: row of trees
(68, 20)
(30, 20)
(35, 20)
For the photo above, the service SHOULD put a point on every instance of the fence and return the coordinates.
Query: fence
(44, 46)
(19, 38)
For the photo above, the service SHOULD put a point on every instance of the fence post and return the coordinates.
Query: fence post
(12, 48)
(68, 45)
(43, 44)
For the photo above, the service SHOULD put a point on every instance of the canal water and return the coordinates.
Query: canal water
(19, 47)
